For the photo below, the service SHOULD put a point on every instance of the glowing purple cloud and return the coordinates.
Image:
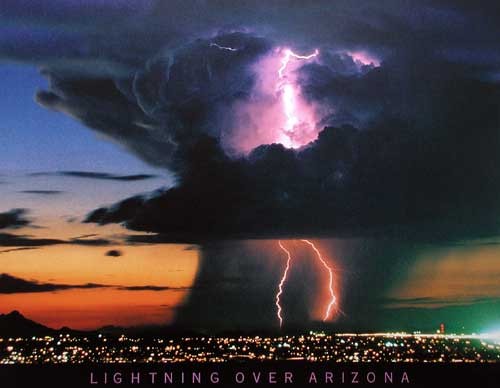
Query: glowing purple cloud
(276, 112)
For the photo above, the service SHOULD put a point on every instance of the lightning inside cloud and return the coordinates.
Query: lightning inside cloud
(289, 95)
(223, 47)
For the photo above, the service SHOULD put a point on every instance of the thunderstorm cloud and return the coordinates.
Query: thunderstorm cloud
(407, 98)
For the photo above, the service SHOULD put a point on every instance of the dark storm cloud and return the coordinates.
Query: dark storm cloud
(73, 11)
(408, 173)
(13, 285)
(243, 276)
(240, 304)
(14, 219)
(91, 175)
(410, 149)
(169, 103)
(134, 30)
(76, 37)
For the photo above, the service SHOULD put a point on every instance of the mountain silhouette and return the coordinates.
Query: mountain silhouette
(14, 324)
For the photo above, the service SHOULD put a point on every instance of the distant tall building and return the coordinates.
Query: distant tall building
(441, 328)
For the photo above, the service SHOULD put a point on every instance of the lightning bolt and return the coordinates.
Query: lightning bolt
(289, 54)
(282, 282)
(333, 298)
(288, 95)
(223, 47)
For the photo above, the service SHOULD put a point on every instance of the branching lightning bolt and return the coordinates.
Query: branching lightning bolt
(333, 298)
(289, 93)
(282, 282)
(289, 100)
(290, 54)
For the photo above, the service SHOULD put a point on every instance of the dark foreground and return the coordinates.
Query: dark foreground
(251, 373)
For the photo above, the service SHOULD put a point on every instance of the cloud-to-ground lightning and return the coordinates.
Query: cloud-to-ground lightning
(282, 282)
(333, 298)
(289, 96)
(290, 137)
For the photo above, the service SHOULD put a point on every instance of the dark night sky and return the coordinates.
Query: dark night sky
(406, 97)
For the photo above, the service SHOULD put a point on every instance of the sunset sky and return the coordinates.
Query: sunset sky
(36, 141)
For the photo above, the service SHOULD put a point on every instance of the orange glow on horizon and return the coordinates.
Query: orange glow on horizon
(450, 276)
(161, 265)
(94, 308)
